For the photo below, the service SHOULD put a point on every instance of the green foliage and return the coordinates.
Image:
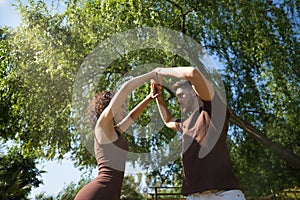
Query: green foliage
(8, 117)
(130, 189)
(270, 175)
(43, 196)
(70, 191)
(256, 41)
(18, 175)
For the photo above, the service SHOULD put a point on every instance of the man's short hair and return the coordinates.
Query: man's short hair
(184, 84)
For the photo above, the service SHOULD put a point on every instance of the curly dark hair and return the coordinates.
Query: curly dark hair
(99, 102)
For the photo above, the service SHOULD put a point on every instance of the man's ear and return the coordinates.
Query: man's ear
(194, 93)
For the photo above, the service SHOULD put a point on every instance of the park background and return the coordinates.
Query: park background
(43, 45)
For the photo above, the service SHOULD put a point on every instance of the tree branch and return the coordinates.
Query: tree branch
(292, 160)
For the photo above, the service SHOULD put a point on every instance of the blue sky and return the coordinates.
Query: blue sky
(59, 175)
(8, 16)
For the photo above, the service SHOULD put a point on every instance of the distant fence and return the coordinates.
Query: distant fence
(166, 193)
(290, 194)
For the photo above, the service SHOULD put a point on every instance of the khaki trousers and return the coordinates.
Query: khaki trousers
(218, 195)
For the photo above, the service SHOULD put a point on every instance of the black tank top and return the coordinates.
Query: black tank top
(214, 171)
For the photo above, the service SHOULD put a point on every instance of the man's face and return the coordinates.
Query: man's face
(185, 98)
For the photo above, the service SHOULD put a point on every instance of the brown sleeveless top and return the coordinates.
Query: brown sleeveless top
(111, 159)
(204, 131)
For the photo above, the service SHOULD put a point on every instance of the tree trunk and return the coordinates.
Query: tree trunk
(292, 160)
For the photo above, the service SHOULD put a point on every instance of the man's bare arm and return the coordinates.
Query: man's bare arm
(201, 85)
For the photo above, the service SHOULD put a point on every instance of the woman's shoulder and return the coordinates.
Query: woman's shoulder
(105, 133)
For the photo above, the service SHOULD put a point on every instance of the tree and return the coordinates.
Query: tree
(130, 189)
(70, 191)
(43, 196)
(8, 118)
(257, 41)
(18, 175)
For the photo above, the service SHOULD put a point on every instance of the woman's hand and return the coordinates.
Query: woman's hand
(155, 89)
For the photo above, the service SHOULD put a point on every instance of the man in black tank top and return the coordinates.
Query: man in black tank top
(207, 168)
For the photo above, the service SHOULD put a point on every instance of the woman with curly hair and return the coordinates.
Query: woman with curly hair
(107, 117)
